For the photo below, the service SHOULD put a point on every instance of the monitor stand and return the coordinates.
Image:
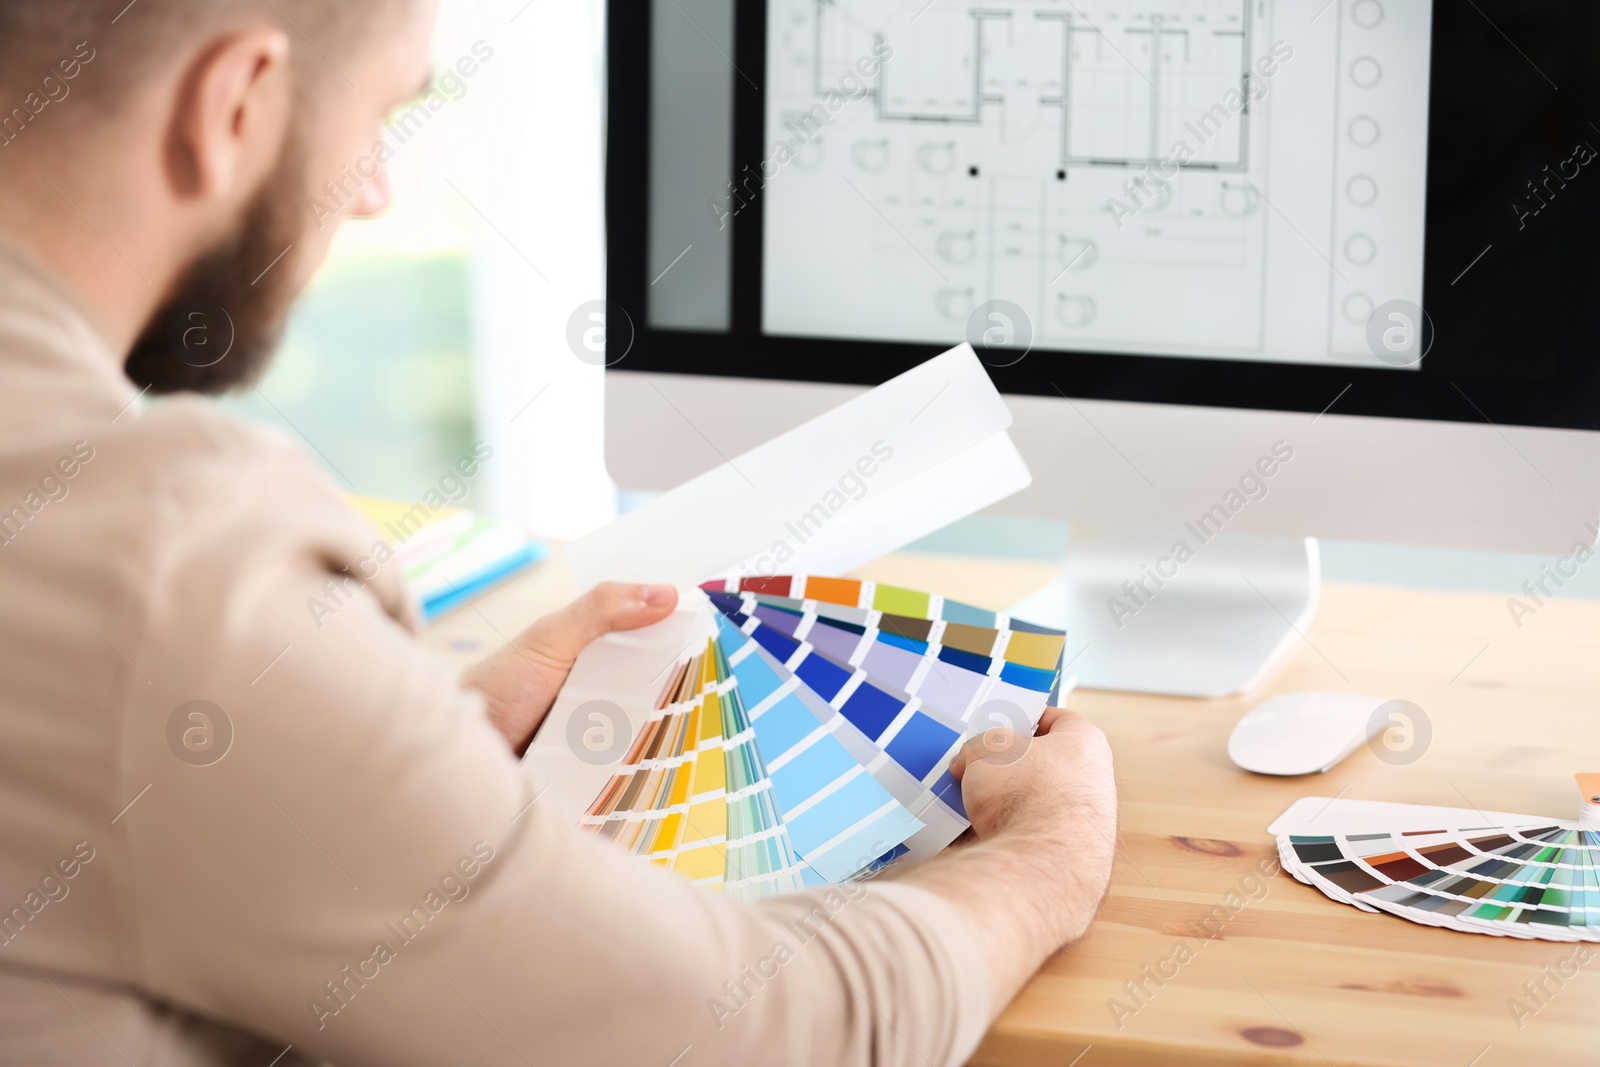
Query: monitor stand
(1139, 620)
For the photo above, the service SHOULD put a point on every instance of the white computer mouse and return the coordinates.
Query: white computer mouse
(1303, 733)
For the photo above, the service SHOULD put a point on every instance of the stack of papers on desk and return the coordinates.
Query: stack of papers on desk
(449, 554)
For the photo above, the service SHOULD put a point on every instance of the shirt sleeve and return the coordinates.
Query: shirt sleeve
(366, 872)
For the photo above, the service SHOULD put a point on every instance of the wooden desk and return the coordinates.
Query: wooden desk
(1292, 978)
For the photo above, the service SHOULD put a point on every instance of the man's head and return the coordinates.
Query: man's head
(172, 175)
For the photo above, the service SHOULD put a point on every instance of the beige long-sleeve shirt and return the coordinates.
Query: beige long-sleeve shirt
(352, 876)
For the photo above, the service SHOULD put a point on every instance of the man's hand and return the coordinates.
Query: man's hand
(1044, 810)
(1058, 781)
(521, 680)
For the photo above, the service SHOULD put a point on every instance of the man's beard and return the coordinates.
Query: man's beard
(222, 325)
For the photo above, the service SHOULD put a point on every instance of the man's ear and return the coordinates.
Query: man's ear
(232, 110)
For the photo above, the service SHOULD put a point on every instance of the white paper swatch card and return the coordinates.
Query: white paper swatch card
(933, 439)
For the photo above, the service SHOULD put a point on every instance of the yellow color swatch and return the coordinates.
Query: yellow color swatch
(1035, 650)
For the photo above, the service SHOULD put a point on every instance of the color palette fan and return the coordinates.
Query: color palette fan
(1462, 869)
(692, 794)
(808, 737)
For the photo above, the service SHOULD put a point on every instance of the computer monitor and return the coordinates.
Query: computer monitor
(1251, 270)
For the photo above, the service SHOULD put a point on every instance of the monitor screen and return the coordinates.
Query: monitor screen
(1102, 176)
(1379, 204)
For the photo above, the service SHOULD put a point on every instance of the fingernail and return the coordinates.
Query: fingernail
(656, 596)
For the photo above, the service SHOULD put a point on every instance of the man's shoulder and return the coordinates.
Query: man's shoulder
(198, 438)
(234, 509)
(185, 477)
(189, 459)
(159, 472)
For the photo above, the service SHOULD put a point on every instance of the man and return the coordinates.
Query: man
(365, 878)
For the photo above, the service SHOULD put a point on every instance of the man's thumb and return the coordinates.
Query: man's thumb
(997, 743)
(608, 606)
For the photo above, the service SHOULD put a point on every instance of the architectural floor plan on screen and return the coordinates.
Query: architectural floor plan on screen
(1234, 178)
